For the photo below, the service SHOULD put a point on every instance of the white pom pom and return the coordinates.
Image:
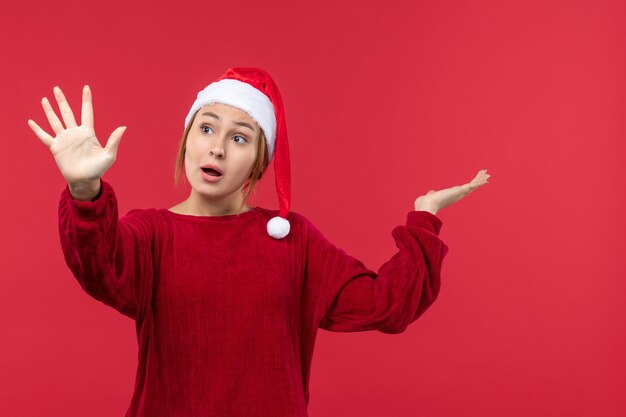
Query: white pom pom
(278, 227)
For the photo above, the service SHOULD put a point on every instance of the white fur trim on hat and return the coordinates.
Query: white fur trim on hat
(278, 227)
(245, 97)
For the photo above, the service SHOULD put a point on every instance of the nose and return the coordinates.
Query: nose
(217, 149)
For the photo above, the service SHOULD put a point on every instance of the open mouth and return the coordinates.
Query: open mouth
(212, 172)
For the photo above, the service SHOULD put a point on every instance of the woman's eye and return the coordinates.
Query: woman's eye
(243, 139)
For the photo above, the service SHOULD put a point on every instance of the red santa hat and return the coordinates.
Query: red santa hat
(253, 91)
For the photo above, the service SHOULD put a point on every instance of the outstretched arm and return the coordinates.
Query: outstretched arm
(359, 299)
(110, 258)
(434, 201)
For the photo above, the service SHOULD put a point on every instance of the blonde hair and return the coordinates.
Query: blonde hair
(258, 167)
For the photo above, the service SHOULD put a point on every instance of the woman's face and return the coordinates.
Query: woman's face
(223, 136)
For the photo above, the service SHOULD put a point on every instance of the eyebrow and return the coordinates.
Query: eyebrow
(244, 124)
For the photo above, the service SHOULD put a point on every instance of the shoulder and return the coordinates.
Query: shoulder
(298, 220)
(144, 220)
(142, 214)
(297, 217)
(305, 226)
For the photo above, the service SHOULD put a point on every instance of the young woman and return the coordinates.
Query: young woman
(227, 298)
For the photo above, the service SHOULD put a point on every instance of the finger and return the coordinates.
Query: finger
(41, 134)
(54, 121)
(86, 117)
(114, 140)
(64, 107)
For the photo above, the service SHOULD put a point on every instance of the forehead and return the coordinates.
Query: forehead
(227, 111)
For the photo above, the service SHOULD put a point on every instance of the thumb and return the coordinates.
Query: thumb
(114, 140)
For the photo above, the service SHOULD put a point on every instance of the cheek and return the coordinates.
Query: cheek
(250, 163)
(191, 149)
(190, 156)
(187, 159)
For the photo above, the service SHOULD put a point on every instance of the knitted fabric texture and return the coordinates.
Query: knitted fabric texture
(226, 316)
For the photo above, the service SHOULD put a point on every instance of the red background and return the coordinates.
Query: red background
(384, 101)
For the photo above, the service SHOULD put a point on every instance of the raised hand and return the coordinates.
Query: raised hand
(76, 150)
(434, 201)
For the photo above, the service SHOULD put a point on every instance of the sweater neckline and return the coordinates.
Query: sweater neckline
(226, 217)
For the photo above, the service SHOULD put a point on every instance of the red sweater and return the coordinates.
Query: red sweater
(226, 316)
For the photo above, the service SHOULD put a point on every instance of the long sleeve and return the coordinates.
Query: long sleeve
(111, 258)
(359, 299)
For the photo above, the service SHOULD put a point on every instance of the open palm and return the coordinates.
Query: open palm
(433, 201)
(75, 148)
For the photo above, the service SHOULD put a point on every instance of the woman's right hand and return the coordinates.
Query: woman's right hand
(76, 150)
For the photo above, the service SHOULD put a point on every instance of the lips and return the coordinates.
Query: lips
(212, 170)
(210, 177)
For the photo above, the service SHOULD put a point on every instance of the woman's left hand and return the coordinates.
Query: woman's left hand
(434, 201)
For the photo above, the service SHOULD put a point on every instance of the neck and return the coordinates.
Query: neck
(198, 205)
